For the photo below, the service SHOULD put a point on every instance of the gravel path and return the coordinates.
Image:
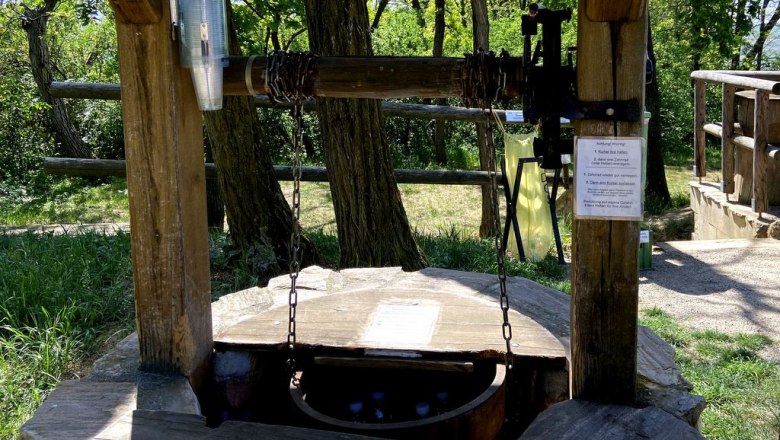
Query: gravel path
(732, 286)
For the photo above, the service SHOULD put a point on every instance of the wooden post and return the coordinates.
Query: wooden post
(727, 140)
(699, 136)
(760, 133)
(166, 187)
(605, 270)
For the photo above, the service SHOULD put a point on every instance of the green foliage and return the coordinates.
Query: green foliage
(741, 388)
(59, 295)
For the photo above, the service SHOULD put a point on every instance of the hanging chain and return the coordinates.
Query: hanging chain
(288, 77)
(482, 85)
(295, 236)
(506, 327)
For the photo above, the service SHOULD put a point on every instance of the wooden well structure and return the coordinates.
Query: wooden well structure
(166, 184)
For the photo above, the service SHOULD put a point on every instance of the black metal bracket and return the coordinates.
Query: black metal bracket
(628, 111)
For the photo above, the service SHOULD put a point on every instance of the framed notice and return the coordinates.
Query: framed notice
(608, 182)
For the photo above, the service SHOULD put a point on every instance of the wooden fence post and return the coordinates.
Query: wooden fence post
(760, 136)
(605, 270)
(727, 140)
(699, 135)
(166, 188)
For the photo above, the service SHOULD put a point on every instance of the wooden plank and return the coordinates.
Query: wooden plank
(740, 81)
(71, 412)
(699, 136)
(610, 10)
(371, 77)
(166, 188)
(760, 202)
(348, 320)
(137, 11)
(108, 167)
(604, 253)
(727, 141)
(141, 425)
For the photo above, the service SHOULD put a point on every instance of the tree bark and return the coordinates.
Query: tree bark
(656, 188)
(373, 229)
(420, 15)
(479, 18)
(258, 215)
(440, 127)
(66, 136)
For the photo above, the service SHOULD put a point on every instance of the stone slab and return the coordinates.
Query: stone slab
(580, 420)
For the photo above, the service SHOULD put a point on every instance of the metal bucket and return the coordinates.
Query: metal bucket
(345, 398)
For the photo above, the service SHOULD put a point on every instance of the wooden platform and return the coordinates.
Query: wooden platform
(411, 322)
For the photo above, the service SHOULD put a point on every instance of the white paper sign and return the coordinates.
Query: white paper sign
(608, 181)
(514, 116)
(402, 324)
(644, 236)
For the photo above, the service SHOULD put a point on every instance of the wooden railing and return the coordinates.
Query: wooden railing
(747, 177)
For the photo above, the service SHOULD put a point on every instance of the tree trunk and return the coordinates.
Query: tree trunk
(258, 215)
(372, 226)
(656, 188)
(438, 50)
(34, 23)
(420, 15)
(379, 10)
(215, 208)
(479, 16)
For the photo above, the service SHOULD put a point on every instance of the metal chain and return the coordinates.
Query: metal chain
(288, 78)
(483, 85)
(295, 237)
(506, 327)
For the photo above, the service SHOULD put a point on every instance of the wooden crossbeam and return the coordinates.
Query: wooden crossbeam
(371, 77)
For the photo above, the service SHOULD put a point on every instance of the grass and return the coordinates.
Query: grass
(62, 297)
(741, 388)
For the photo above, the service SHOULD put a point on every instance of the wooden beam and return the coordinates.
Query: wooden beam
(772, 150)
(106, 91)
(617, 11)
(699, 136)
(137, 11)
(370, 77)
(760, 201)
(742, 81)
(605, 269)
(727, 160)
(103, 167)
(166, 188)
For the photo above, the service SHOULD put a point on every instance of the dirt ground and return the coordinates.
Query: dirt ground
(731, 286)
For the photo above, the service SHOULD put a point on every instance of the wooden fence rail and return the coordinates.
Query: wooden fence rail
(747, 177)
(111, 92)
(105, 167)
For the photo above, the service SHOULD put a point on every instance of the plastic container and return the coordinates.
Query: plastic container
(203, 48)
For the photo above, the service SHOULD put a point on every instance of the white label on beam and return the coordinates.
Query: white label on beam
(514, 116)
(608, 182)
(402, 325)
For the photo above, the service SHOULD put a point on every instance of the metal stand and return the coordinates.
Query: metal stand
(511, 207)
